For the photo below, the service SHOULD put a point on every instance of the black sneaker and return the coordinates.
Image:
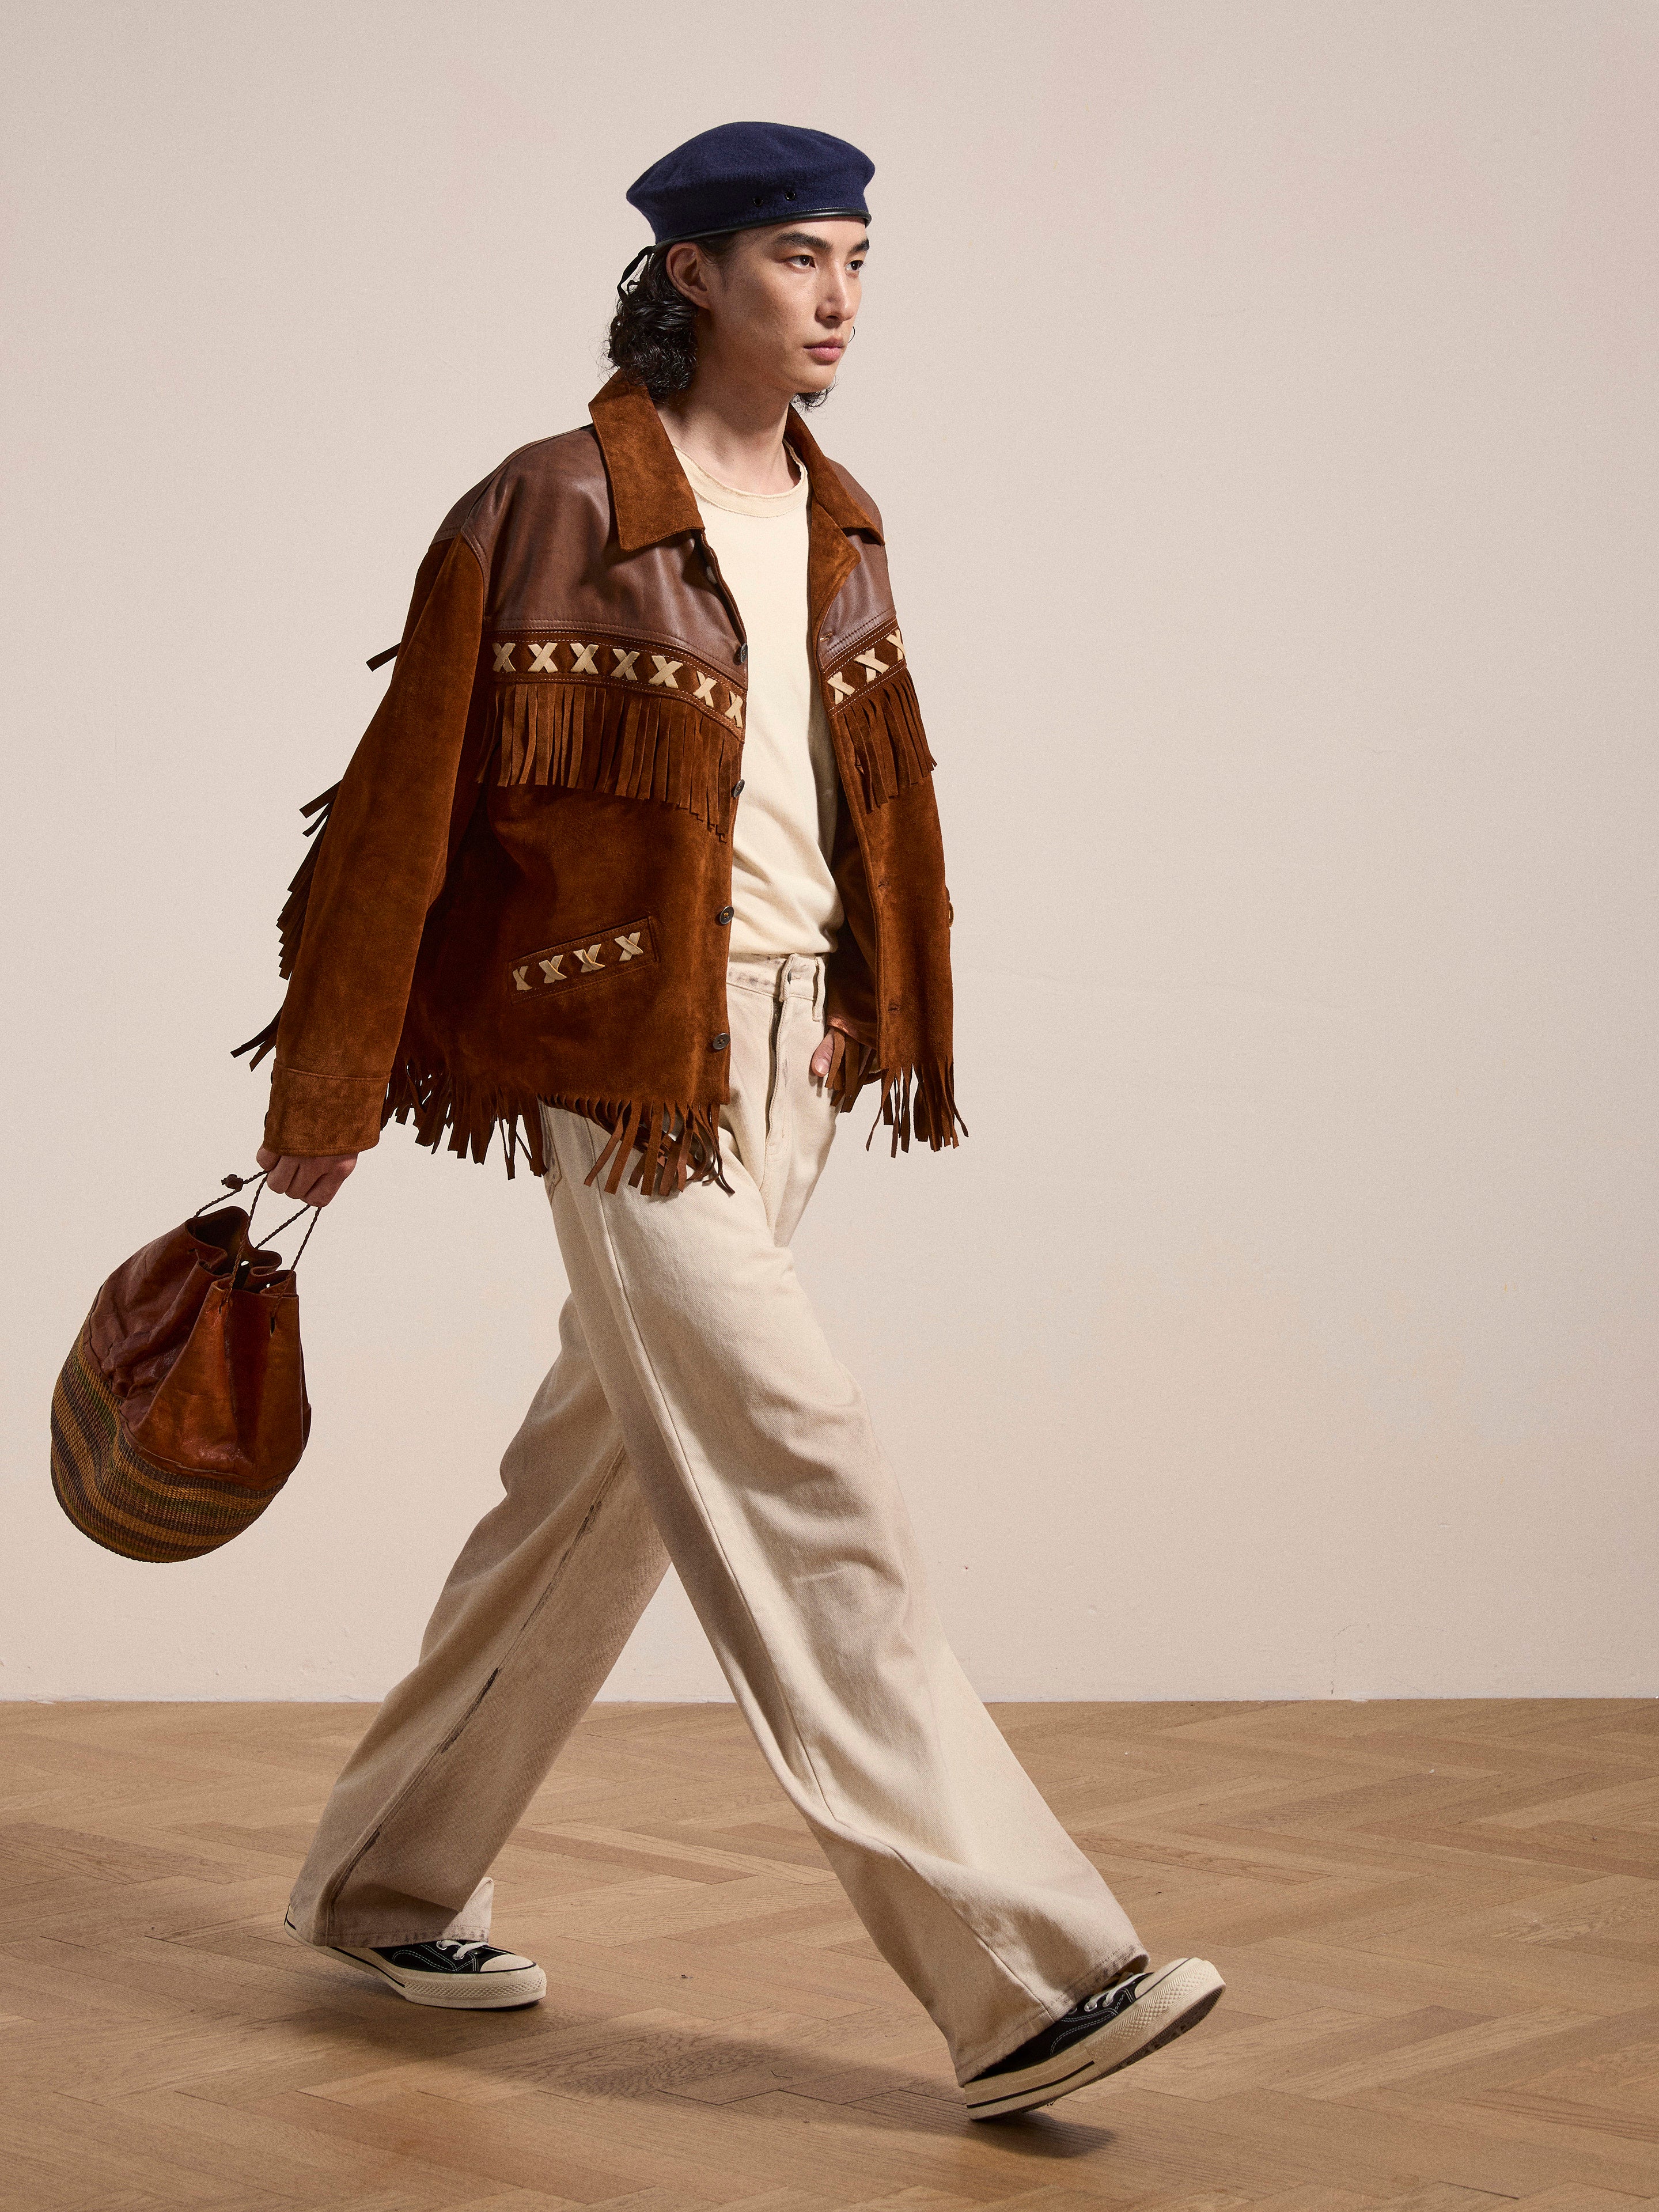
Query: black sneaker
(468, 1976)
(1112, 2029)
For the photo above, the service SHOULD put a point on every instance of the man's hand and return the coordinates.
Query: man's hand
(313, 1178)
(819, 1063)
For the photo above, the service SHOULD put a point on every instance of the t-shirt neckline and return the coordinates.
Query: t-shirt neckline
(712, 492)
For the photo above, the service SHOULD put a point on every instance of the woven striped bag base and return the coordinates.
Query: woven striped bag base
(122, 1500)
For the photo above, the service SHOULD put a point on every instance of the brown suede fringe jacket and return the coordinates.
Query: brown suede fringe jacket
(522, 887)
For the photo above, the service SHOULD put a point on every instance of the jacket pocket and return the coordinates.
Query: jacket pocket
(617, 949)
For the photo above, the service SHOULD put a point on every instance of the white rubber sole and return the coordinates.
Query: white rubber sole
(1173, 1999)
(491, 1991)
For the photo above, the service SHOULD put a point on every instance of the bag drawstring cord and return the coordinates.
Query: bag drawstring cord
(257, 1184)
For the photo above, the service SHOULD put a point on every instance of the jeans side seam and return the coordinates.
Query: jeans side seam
(329, 1897)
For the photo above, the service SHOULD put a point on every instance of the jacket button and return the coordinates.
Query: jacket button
(718, 1043)
(737, 785)
(725, 915)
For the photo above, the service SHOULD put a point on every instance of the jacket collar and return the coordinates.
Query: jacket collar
(829, 493)
(649, 492)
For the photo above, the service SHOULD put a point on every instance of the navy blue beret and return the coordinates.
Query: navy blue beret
(741, 175)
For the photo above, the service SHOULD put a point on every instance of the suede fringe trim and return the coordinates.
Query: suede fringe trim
(920, 1098)
(262, 1042)
(291, 921)
(852, 1064)
(592, 737)
(469, 1112)
(676, 1145)
(888, 740)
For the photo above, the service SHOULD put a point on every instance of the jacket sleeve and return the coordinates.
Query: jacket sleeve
(379, 865)
(849, 980)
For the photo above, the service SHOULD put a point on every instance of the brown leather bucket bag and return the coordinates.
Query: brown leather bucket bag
(182, 1410)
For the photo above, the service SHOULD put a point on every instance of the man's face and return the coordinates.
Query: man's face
(781, 305)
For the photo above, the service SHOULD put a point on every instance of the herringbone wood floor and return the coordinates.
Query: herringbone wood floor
(1439, 1922)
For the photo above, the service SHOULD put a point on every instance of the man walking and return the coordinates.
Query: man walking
(639, 863)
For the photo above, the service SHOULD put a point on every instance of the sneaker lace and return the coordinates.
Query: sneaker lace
(1117, 1995)
(456, 1948)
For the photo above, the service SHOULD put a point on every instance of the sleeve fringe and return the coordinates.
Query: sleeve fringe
(291, 921)
(922, 1099)
(888, 740)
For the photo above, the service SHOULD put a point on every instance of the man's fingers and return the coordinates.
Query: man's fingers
(312, 1180)
(316, 1183)
(327, 1185)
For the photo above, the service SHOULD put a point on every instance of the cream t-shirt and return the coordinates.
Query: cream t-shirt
(783, 893)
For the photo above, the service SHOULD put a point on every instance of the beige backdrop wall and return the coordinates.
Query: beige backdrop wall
(1261, 399)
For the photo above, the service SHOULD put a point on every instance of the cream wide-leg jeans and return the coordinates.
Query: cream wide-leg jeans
(696, 1413)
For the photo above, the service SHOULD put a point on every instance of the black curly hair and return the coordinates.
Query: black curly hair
(653, 336)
